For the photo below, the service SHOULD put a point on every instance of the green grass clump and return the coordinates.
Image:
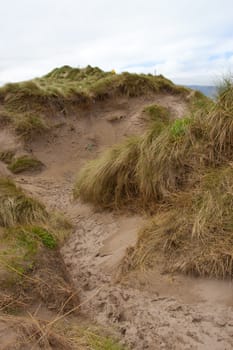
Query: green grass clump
(16, 208)
(46, 237)
(25, 163)
(31, 268)
(99, 342)
(179, 127)
(157, 112)
(20, 240)
(20, 246)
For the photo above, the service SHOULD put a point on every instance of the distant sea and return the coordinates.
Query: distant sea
(208, 90)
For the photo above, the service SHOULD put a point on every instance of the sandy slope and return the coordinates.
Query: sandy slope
(150, 310)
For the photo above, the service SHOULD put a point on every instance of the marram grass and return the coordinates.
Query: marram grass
(149, 168)
(196, 235)
(67, 86)
(143, 169)
(185, 166)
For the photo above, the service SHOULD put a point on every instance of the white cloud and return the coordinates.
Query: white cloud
(178, 38)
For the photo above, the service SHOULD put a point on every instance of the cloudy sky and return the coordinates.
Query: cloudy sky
(190, 42)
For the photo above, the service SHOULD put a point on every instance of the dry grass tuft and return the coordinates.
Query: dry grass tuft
(196, 235)
(220, 121)
(23, 333)
(114, 176)
(16, 208)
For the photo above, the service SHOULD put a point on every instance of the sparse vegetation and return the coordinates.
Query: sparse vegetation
(25, 163)
(30, 264)
(60, 335)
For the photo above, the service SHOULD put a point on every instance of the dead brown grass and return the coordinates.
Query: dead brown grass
(195, 236)
(30, 333)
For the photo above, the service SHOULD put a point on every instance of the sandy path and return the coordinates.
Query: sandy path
(150, 311)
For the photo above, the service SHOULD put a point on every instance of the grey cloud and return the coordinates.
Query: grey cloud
(36, 36)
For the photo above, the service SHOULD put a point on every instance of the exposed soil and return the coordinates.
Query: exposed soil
(149, 309)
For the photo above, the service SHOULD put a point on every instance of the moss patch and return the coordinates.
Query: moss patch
(24, 164)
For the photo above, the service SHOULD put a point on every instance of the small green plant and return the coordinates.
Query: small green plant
(25, 163)
(98, 342)
(93, 338)
(179, 127)
(46, 237)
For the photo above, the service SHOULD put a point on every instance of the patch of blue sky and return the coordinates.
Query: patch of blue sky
(224, 55)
